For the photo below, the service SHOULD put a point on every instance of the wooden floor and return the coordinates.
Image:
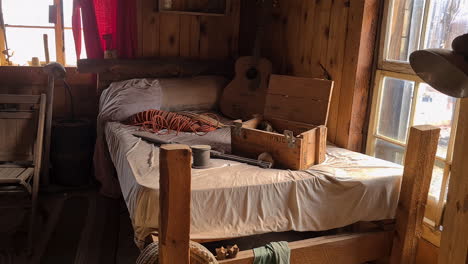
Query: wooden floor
(73, 227)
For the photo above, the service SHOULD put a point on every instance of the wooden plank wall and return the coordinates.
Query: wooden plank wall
(32, 80)
(188, 36)
(340, 36)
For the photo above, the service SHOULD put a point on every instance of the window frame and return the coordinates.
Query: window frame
(59, 31)
(402, 70)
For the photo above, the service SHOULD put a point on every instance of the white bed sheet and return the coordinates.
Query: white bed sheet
(234, 199)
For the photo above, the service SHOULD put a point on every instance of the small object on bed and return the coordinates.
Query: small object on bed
(221, 253)
(229, 252)
(297, 108)
(266, 126)
(298, 148)
(201, 156)
(232, 251)
(259, 163)
(265, 156)
(213, 154)
(159, 121)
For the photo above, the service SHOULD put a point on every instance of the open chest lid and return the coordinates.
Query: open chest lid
(298, 99)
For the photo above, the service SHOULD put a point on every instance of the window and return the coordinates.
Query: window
(29, 34)
(402, 100)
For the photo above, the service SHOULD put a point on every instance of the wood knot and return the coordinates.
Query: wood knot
(172, 40)
(202, 28)
(465, 207)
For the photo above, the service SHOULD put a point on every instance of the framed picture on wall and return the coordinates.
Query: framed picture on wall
(194, 7)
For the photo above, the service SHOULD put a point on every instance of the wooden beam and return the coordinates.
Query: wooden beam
(3, 61)
(48, 131)
(454, 242)
(174, 204)
(340, 249)
(357, 72)
(419, 164)
(162, 67)
(59, 34)
(19, 99)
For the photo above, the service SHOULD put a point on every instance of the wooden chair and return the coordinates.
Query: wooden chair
(22, 120)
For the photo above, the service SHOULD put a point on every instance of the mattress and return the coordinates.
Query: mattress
(233, 199)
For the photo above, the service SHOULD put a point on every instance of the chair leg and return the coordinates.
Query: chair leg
(31, 227)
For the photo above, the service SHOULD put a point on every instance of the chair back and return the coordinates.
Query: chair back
(19, 119)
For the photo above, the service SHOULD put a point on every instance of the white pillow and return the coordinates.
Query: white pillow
(126, 98)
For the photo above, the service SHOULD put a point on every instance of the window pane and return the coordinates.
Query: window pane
(435, 108)
(67, 13)
(447, 19)
(395, 108)
(70, 52)
(437, 176)
(388, 151)
(405, 22)
(28, 43)
(27, 12)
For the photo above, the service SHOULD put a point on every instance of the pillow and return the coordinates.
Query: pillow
(198, 93)
(126, 98)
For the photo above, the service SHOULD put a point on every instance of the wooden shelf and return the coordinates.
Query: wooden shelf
(199, 8)
(190, 13)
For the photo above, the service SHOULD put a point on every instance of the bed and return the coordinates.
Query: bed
(251, 199)
(232, 199)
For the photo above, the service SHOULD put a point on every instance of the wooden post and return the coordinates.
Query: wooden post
(419, 163)
(454, 242)
(59, 33)
(174, 204)
(48, 131)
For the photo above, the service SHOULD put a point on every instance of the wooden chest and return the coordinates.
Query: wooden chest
(297, 109)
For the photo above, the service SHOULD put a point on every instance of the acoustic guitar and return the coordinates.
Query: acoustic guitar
(246, 94)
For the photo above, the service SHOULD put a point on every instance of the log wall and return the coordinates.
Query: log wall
(307, 36)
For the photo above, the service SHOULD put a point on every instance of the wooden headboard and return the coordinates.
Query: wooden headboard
(111, 70)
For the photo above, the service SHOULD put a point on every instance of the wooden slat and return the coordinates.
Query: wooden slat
(427, 253)
(25, 136)
(342, 249)
(16, 139)
(169, 39)
(19, 99)
(321, 142)
(10, 173)
(335, 58)
(3, 60)
(454, 242)
(185, 27)
(16, 115)
(307, 28)
(174, 204)
(419, 163)
(149, 29)
(356, 76)
(298, 99)
(59, 34)
(194, 37)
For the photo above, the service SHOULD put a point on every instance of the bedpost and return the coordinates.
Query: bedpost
(454, 242)
(174, 204)
(419, 163)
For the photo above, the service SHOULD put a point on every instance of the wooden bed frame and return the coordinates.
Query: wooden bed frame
(399, 242)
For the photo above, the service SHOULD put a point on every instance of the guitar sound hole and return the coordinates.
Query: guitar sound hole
(251, 74)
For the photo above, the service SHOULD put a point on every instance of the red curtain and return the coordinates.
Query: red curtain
(107, 24)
